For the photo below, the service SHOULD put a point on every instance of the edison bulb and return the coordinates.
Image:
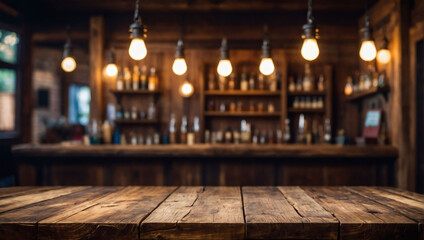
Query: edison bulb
(384, 56)
(267, 66)
(310, 50)
(224, 67)
(186, 89)
(137, 49)
(111, 70)
(68, 64)
(180, 66)
(368, 50)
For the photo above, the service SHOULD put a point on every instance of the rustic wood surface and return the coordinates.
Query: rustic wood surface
(206, 150)
(210, 213)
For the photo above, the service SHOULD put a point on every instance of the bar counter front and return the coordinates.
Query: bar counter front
(205, 164)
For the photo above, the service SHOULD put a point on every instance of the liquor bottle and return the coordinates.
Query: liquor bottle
(123, 139)
(261, 82)
(116, 136)
(315, 134)
(287, 135)
(255, 138)
(149, 140)
(172, 130)
(271, 107)
(151, 111)
(143, 78)
(382, 79)
(367, 82)
(156, 138)
(190, 136)
(244, 84)
(133, 138)
(279, 136)
(119, 112)
(272, 82)
(262, 137)
(213, 138)
(127, 114)
(232, 106)
(301, 130)
(327, 129)
(196, 129)
(136, 78)
(165, 138)
(127, 78)
(302, 102)
(348, 90)
(239, 106)
(320, 104)
(252, 82)
(232, 82)
(236, 137)
(207, 136)
(140, 139)
(211, 82)
(134, 113)
(183, 130)
(219, 136)
(308, 79)
(107, 132)
(299, 83)
(245, 132)
(222, 83)
(120, 81)
(260, 107)
(292, 85)
(314, 104)
(153, 80)
(296, 102)
(321, 86)
(308, 103)
(228, 135)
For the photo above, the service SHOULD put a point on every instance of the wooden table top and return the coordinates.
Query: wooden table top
(210, 213)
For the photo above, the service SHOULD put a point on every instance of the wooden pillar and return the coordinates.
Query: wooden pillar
(97, 107)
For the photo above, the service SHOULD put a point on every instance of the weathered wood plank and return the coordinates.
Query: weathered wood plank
(117, 215)
(361, 218)
(19, 191)
(197, 213)
(269, 215)
(21, 223)
(401, 203)
(7, 204)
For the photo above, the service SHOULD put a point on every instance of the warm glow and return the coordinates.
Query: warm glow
(186, 89)
(383, 56)
(368, 50)
(68, 64)
(348, 89)
(111, 70)
(224, 67)
(310, 50)
(267, 66)
(179, 67)
(137, 49)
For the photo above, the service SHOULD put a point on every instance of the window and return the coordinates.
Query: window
(79, 104)
(9, 44)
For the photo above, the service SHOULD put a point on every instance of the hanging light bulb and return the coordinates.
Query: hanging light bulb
(137, 49)
(224, 66)
(68, 62)
(267, 65)
(384, 55)
(186, 89)
(180, 66)
(368, 51)
(111, 69)
(310, 49)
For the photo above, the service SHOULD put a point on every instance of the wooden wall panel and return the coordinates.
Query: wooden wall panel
(138, 174)
(76, 175)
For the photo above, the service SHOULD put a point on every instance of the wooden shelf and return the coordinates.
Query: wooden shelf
(241, 114)
(306, 110)
(302, 93)
(242, 93)
(368, 93)
(136, 121)
(135, 92)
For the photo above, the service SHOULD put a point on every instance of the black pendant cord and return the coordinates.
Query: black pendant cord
(310, 17)
(137, 11)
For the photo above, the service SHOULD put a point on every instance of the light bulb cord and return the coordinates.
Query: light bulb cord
(137, 11)
(310, 17)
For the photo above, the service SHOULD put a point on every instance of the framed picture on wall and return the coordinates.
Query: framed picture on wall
(372, 123)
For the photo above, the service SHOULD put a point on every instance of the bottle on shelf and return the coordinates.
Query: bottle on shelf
(296, 102)
(183, 130)
(321, 84)
(127, 114)
(279, 136)
(308, 79)
(367, 82)
(232, 106)
(222, 83)
(136, 78)
(270, 138)
(302, 102)
(245, 129)
(287, 135)
(149, 140)
(172, 130)
(107, 132)
(260, 107)
(213, 138)
(262, 137)
(222, 107)
(320, 103)
(165, 138)
(255, 137)
(228, 135)
(239, 106)
(119, 112)
(190, 136)
(123, 139)
(133, 138)
(156, 138)
(251, 106)
(151, 111)
(134, 113)
(272, 82)
(232, 82)
(292, 85)
(271, 107)
(207, 136)
(127, 78)
(327, 129)
(140, 139)
(315, 133)
(143, 78)
(261, 82)
(120, 81)
(196, 129)
(244, 84)
(211, 82)
(314, 104)
(219, 136)
(252, 82)
(153, 80)
(301, 129)
(299, 83)
(348, 90)
(236, 136)
(308, 103)
(116, 136)
(382, 79)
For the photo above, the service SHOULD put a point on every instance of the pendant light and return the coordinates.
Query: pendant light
(368, 51)
(384, 55)
(111, 69)
(180, 66)
(267, 65)
(224, 68)
(68, 62)
(138, 31)
(186, 89)
(310, 49)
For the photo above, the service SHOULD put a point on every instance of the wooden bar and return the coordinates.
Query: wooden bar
(214, 213)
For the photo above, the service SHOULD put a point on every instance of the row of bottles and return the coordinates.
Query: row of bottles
(308, 103)
(306, 83)
(364, 81)
(314, 133)
(244, 83)
(239, 106)
(137, 80)
(135, 113)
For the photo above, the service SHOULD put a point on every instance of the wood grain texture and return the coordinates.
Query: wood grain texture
(197, 213)
(18, 191)
(269, 215)
(362, 218)
(30, 151)
(117, 215)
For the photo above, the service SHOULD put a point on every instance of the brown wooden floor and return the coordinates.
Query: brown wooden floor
(210, 213)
